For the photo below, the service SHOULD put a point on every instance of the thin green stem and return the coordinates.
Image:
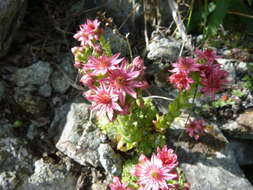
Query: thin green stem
(205, 16)
(190, 14)
(189, 115)
(159, 97)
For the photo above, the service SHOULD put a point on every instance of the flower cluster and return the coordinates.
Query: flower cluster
(195, 128)
(155, 173)
(212, 77)
(111, 79)
(89, 34)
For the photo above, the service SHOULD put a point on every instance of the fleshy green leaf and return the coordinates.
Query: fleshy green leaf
(217, 16)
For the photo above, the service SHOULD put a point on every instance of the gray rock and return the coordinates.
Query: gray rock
(117, 42)
(36, 74)
(208, 163)
(11, 16)
(232, 67)
(14, 155)
(45, 90)
(162, 47)
(216, 173)
(60, 82)
(120, 9)
(31, 104)
(15, 160)
(248, 102)
(29, 89)
(76, 130)
(98, 182)
(110, 161)
(2, 90)
(242, 127)
(48, 176)
(99, 186)
(246, 119)
(5, 129)
(32, 131)
(80, 140)
(242, 150)
(59, 121)
(8, 180)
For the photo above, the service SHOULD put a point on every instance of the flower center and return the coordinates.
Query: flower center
(186, 65)
(103, 64)
(105, 99)
(119, 81)
(154, 174)
(91, 27)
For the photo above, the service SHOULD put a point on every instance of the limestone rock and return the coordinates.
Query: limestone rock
(246, 120)
(110, 161)
(162, 47)
(2, 90)
(81, 140)
(36, 74)
(8, 180)
(233, 67)
(242, 127)
(59, 121)
(15, 161)
(208, 163)
(60, 82)
(215, 173)
(45, 90)
(31, 104)
(49, 176)
(242, 151)
(117, 8)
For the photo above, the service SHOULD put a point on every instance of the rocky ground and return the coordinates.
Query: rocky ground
(47, 139)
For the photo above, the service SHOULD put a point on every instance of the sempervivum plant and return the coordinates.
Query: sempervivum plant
(131, 120)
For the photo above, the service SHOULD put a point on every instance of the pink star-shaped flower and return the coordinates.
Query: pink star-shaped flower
(104, 100)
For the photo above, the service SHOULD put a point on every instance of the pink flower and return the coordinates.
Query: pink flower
(124, 81)
(153, 175)
(167, 156)
(88, 80)
(142, 158)
(207, 69)
(138, 65)
(195, 128)
(213, 78)
(208, 55)
(91, 27)
(214, 82)
(117, 185)
(137, 169)
(104, 99)
(186, 65)
(181, 80)
(88, 32)
(102, 64)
